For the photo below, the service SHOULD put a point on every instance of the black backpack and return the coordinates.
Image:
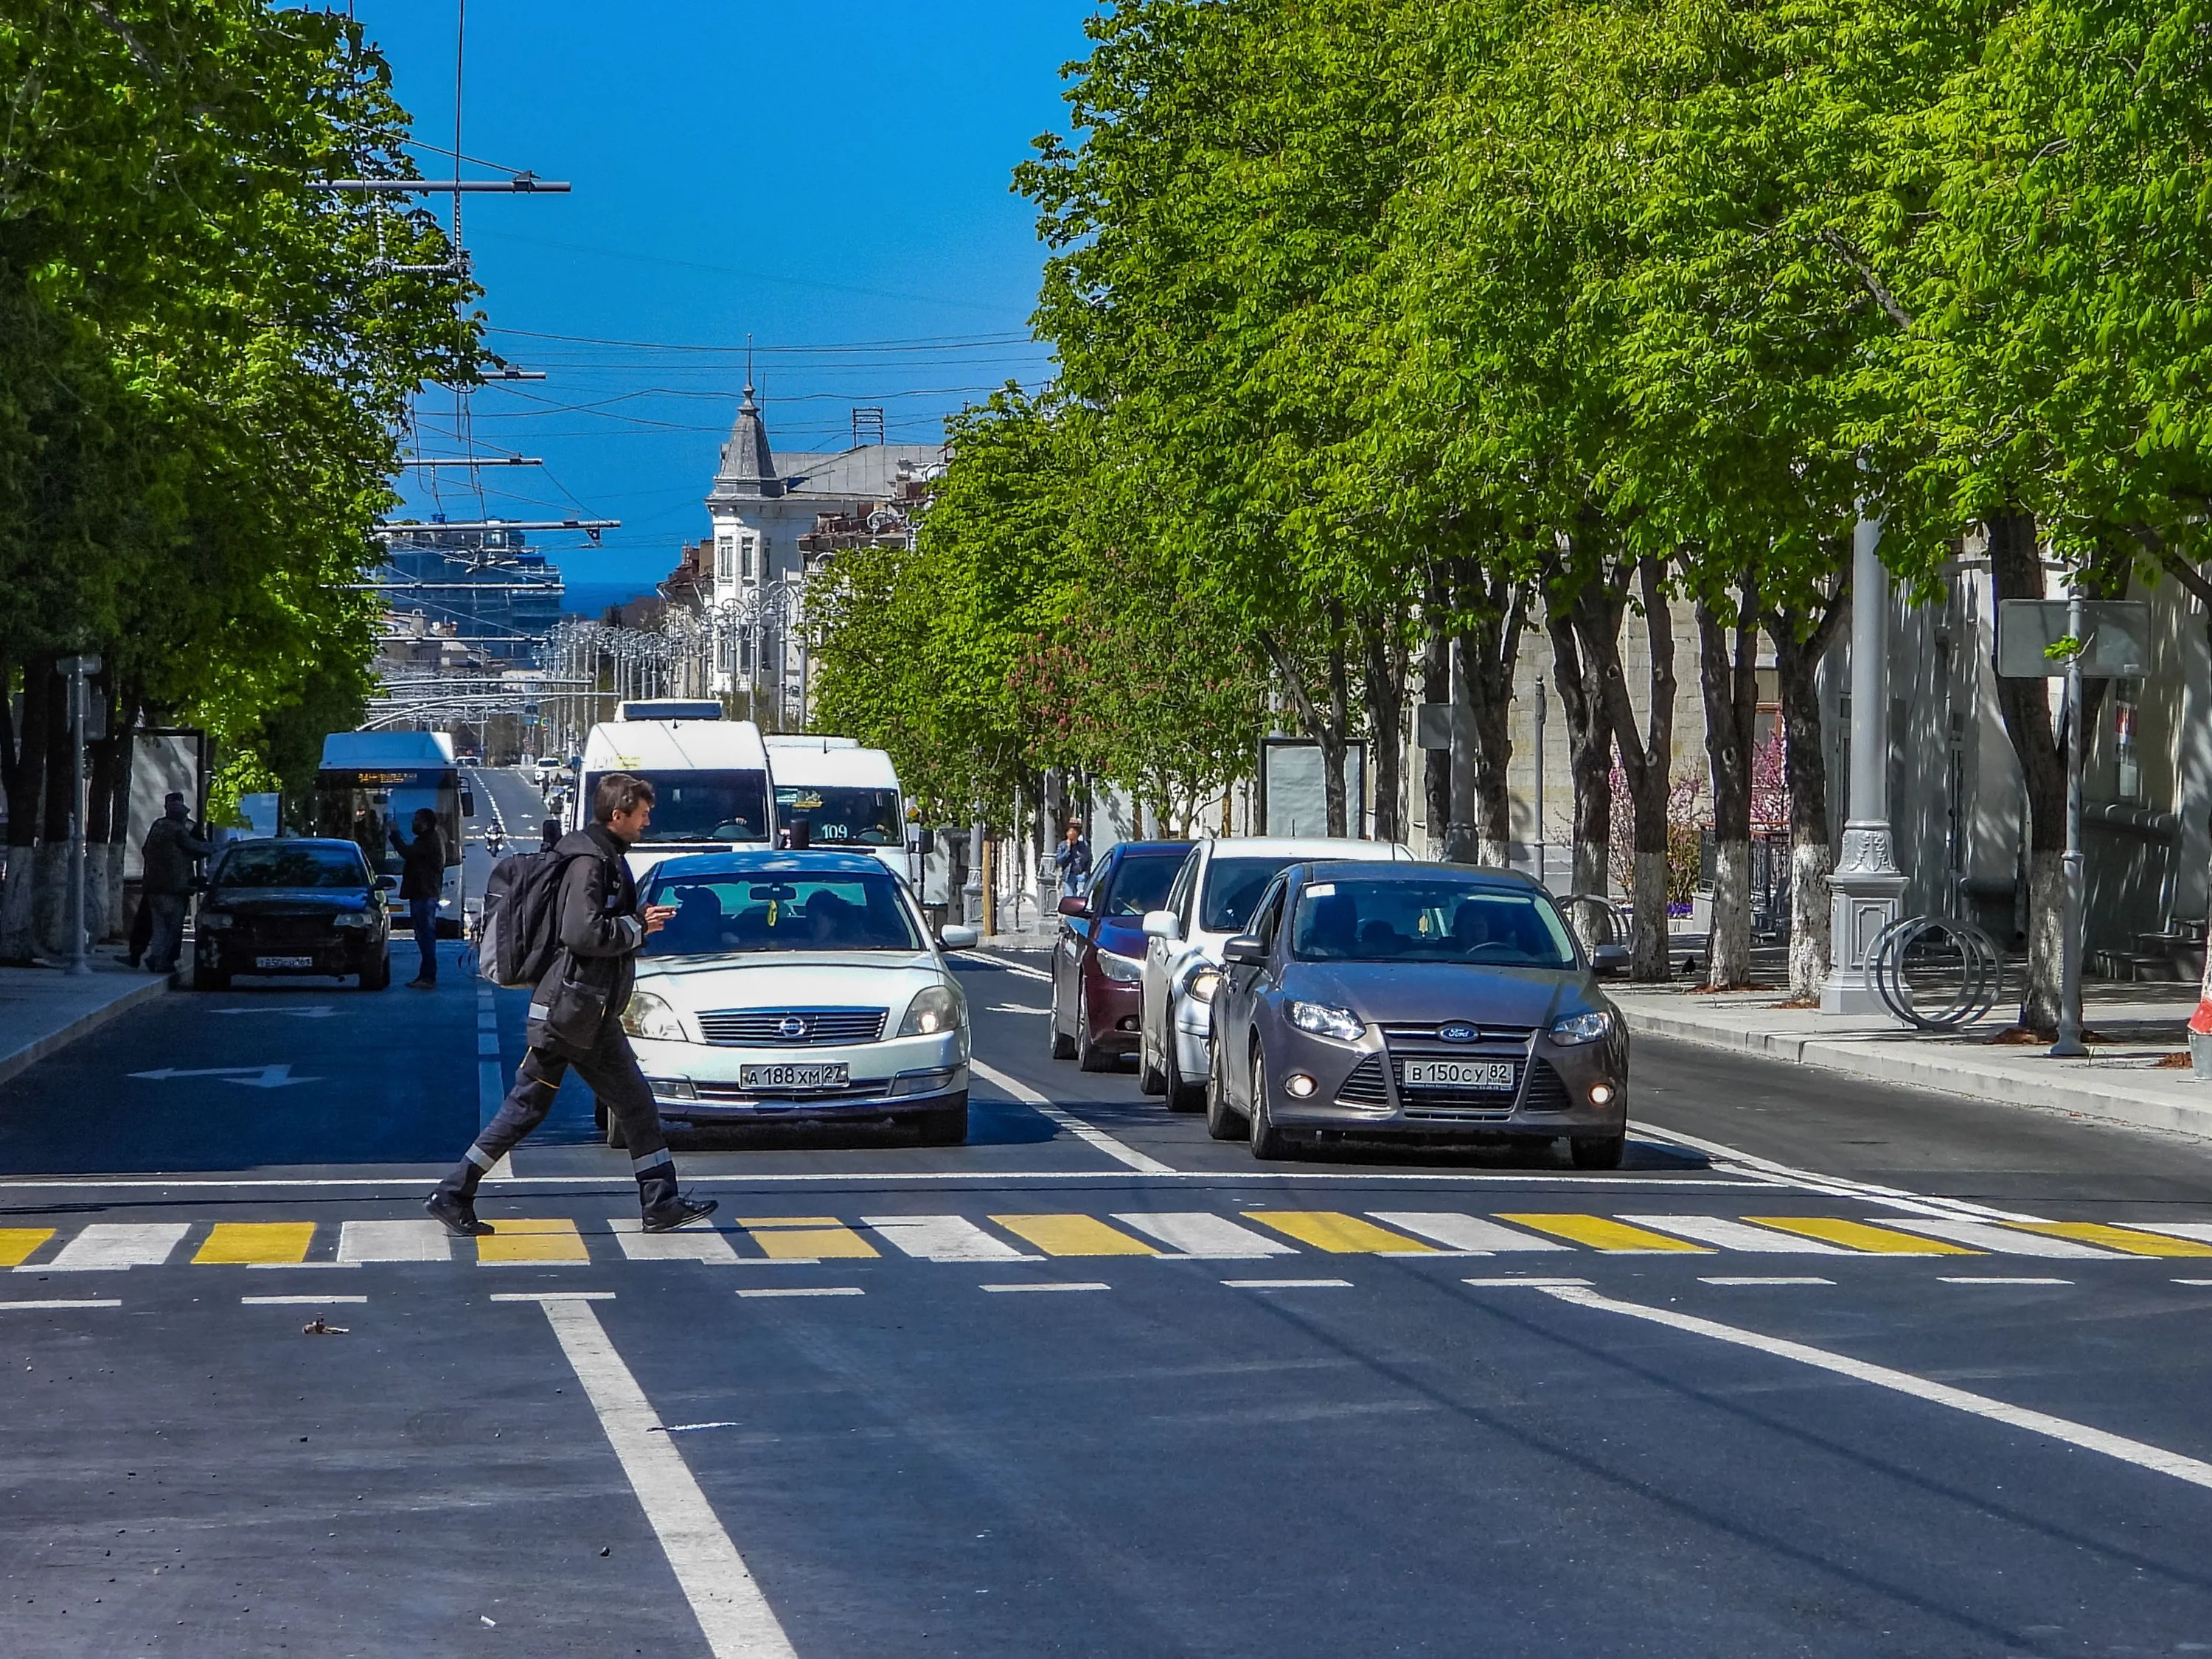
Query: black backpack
(521, 932)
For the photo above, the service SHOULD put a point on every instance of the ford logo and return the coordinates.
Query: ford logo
(1458, 1033)
(792, 1028)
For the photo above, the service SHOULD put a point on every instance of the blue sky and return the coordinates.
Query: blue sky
(827, 175)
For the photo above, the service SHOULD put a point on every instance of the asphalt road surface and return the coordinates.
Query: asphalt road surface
(1828, 1369)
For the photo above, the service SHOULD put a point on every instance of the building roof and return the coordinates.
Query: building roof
(750, 470)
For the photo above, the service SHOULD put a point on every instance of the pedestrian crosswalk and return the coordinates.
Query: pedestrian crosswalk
(1004, 1235)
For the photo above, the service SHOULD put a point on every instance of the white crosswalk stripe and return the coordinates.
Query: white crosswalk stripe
(1998, 1241)
(686, 1244)
(1464, 1232)
(944, 1238)
(1202, 1233)
(105, 1245)
(365, 1241)
(1734, 1235)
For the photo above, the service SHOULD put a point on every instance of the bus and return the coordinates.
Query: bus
(370, 781)
(709, 778)
(848, 797)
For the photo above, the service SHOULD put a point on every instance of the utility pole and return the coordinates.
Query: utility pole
(1541, 712)
(2069, 1045)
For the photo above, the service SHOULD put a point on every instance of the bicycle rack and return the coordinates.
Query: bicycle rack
(1981, 978)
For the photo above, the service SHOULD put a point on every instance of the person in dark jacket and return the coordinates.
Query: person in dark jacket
(575, 1019)
(422, 880)
(170, 851)
(1073, 859)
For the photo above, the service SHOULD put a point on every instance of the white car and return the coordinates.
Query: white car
(798, 987)
(1210, 902)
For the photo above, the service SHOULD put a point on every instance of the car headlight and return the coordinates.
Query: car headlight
(354, 919)
(647, 1016)
(213, 919)
(935, 1009)
(1122, 971)
(1201, 984)
(1577, 1029)
(1323, 1020)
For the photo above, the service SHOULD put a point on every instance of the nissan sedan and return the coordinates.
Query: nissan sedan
(1420, 1001)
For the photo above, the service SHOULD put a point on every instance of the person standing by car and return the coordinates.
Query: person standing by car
(575, 1018)
(422, 879)
(1073, 859)
(170, 851)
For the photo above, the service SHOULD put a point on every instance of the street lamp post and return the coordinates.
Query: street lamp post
(2069, 1045)
(1867, 886)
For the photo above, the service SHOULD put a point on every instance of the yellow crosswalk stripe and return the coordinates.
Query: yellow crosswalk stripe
(16, 1243)
(1603, 1233)
(804, 1238)
(244, 1244)
(541, 1240)
(2116, 1238)
(1858, 1236)
(1073, 1235)
(1339, 1233)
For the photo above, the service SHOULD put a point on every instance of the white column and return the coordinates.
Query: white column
(1865, 890)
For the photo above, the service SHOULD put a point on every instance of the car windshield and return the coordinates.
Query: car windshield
(716, 915)
(1140, 884)
(295, 866)
(703, 805)
(1440, 920)
(868, 816)
(1233, 887)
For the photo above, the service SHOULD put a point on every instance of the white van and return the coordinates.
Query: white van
(710, 784)
(848, 797)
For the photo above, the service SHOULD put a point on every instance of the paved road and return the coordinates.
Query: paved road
(1828, 1370)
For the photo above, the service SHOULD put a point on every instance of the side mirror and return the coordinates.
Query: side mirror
(959, 936)
(1610, 961)
(387, 884)
(1163, 925)
(1245, 952)
(468, 803)
(1076, 906)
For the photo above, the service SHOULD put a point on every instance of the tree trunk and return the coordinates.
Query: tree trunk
(2016, 572)
(1436, 688)
(1730, 689)
(1494, 609)
(1801, 643)
(1590, 766)
(1327, 727)
(1646, 759)
(1384, 662)
(50, 878)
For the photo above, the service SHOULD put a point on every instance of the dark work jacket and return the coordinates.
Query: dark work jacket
(600, 932)
(170, 848)
(422, 864)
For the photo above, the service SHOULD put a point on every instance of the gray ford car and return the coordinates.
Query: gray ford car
(1416, 1001)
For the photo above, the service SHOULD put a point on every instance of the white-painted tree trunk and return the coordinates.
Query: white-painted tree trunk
(1728, 949)
(1647, 943)
(1495, 855)
(117, 924)
(1593, 923)
(1809, 863)
(18, 938)
(49, 898)
(2046, 940)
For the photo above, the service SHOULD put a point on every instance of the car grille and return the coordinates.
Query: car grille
(277, 932)
(791, 1028)
(1456, 1103)
(1547, 1091)
(1425, 1035)
(1365, 1086)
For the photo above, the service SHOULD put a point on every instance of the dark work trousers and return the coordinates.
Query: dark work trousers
(612, 1070)
(142, 930)
(168, 937)
(422, 916)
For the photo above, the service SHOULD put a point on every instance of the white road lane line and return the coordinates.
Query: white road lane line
(1020, 968)
(704, 1244)
(1288, 1284)
(804, 1289)
(1140, 1162)
(1788, 1174)
(1202, 1234)
(944, 1238)
(1760, 1279)
(361, 1241)
(295, 1301)
(488, 1043)
(732, 1613)
(1991, 1278)
(1466, 1233)
(2199, 1230)
(2143, 1455)
(1734, 1235)
(1525, 1282)
(1088, 1284)
(2003, 1241)
(106, 1245)
(57, 1303)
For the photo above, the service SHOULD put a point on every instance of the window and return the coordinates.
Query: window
(748, 556)
(721, 914)
(726, 560)
(1440, 920)
(281, 864)
(869, 817)
(1233, 886)
(1178, 899)
(705, 805)
(1138, 885)
(1269, 914)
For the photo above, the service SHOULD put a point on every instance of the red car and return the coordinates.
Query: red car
(1098, 962)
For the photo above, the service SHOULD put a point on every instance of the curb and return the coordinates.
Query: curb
(21, 1059)
(1945, 1077)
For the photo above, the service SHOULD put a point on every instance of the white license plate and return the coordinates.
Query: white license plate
(1459, 1074)
(822, 1074)
(283, 962)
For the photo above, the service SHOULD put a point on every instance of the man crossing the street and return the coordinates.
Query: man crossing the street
(575, 1019)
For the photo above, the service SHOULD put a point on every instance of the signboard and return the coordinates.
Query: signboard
(2117, 632)
(1292, 794)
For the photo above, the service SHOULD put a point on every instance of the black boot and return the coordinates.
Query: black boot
(458, 1211)
(676, 1213)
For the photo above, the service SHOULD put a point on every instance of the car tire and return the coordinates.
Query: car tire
(207, 977)
(377, 976)
(946, 1126)
(1599, 1152)
(1088, 1056)
(1268, 1143)
(1223, 1121)
(1151, 1078)
(1063, 1046)
(1182, 1096)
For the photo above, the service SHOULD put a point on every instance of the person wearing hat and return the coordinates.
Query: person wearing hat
(170, 851)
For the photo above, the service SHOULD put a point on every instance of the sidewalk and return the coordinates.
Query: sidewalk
(43, 1008)
(2120, 1080)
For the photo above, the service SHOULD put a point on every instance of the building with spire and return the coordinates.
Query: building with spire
(774, 518)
